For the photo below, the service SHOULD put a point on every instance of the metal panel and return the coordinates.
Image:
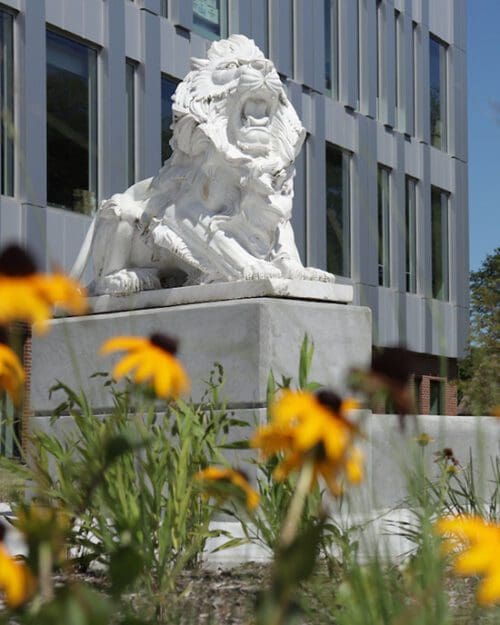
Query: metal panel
(181, 13)
(459, 24)
(364, 204)
(457, 103)
(386, 100)
(316, 193)
(93, 22)
(459, 236)
(149, 100)
(133, 31)
(310, 44)
(397, 217)
(424, 270)
(407, 76)
(35, 232)
(112, 119)
(281, 36)
(368, 58)
(251, 19)
(422, 108)
(31, 177)
(348, 47)
(10, 220)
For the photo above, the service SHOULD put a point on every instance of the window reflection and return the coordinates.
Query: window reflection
(338, 227)
(210, 18)
(71, 124)
(168, 87)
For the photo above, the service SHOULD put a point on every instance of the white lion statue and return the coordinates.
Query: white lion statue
(219, 209)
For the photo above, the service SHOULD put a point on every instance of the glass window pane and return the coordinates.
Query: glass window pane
(6, 105)
(437, 80)
(210, 18)
(338, 234)
(383, 226)
(130, 127)
(168, 87)
(436, 397)
(164, 8)
(332, 47)
(71, 124)
(439, 218)
(411, 235)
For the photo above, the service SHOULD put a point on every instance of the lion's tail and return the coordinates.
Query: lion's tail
(83, 255)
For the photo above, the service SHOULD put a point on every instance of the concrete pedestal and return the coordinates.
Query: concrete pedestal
(249, 337)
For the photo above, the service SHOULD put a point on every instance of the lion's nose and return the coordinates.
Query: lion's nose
(263, 65)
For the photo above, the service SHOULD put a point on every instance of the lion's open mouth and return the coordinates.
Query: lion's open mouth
(256, 113)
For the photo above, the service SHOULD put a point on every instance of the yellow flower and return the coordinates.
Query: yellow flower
(149, 359)
(16, 581)
(212, 476)
(424, 439)
(475, 546)
(305, 426)
(11, 373)
(29, 296)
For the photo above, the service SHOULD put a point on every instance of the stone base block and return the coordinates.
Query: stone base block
(249, 337)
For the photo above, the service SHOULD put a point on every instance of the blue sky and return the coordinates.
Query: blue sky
(483, 51)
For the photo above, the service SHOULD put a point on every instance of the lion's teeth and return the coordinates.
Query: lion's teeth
(254, 121)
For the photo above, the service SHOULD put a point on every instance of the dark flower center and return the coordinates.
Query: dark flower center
(164, 342)
(14, 261)
(330, 400)
(4, 336)
(393, 362)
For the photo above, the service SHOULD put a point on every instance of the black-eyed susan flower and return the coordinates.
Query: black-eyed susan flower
(11, 372)
(312, 428)
(30, 296)
(221, 482)
(16, 581)
(475, 547)
(149, 360)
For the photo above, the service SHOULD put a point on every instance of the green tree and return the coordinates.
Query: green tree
(480, 370)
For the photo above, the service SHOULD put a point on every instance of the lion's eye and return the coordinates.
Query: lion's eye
(231, 65)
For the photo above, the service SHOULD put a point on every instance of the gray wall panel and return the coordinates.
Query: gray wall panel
(397, 217)
(113, 149)
(424, 226)
(364, 205)
(31, 167)
(368, 58)
(310, 44)
(281, 35)
(348, 44)
(460, 266)
(35, 232)
(149, 100)
(457, 103)
(133, 32)
(316, 198)
(10, 220)
(181, 13)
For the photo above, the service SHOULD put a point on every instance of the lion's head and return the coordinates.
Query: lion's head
(234, 101)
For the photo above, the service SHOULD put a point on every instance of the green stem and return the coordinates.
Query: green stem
(45, 572)
(292, 520)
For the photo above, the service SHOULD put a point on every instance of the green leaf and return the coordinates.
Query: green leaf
(295, 563)
(125, 565)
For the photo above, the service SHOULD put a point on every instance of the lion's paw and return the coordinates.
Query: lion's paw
(295, 271)
(260, 271)
(312, 273)
(127, 281)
